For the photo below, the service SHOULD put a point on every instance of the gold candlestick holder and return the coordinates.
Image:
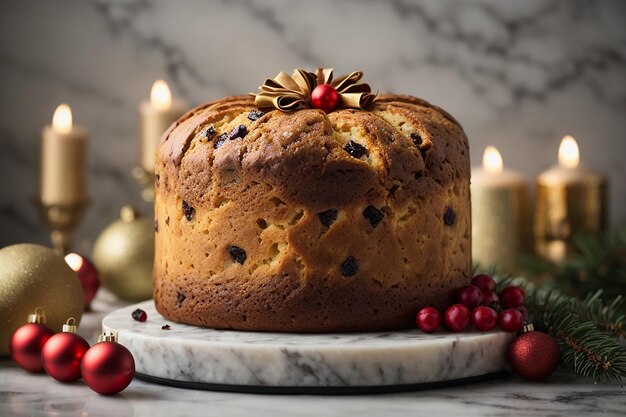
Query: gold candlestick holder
(63, 220)
(145, 180)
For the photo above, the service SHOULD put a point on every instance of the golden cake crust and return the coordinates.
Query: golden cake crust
(263, 193)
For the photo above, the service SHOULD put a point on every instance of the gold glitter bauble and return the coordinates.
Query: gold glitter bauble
(123, 255)
(34, 276)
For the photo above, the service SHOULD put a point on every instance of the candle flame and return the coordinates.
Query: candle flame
(160, 95)
(74, 260)
(62, 119)
(569, 156)
(492, 160)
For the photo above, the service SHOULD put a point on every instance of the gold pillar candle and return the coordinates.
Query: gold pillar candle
(570, 199)
(156, 116)
(500, 220)
(63, 160)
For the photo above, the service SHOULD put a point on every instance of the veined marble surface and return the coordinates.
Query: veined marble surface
(517, 74)
(563, 394)
(194, 354)
(23, 394)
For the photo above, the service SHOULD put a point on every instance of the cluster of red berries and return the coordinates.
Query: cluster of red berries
(479, 304)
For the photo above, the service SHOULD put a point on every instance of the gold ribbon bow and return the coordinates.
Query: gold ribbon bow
(289, 93)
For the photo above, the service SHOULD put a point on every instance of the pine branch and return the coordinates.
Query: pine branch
(585, 347)
(587, 331)
(607, 317)
(600, 264)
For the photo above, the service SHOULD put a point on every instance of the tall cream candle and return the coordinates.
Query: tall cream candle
(156, 116)
(570, 199)
(500, 219)
(63, 160)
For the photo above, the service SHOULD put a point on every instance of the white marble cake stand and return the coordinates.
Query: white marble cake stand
(345, 363)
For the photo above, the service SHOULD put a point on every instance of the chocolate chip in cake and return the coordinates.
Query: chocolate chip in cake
(238, 254)
(238, 132)
(356, 150)
(220, 140)
(449, 216)
(188, 210)
(210, 132)
(374, 215)
(349, 267)
(156, 225)
(167, 221)
(255, 115)
(180, 297)
(417, 139)
(328, 217)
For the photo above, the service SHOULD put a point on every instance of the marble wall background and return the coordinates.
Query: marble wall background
(517, 74)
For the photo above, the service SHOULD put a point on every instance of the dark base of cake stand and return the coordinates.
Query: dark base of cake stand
(352, 390)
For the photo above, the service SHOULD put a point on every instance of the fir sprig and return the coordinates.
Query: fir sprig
(609, 316)
(600, 263)
(588, 331)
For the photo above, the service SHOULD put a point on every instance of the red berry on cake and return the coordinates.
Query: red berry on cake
(324, 97)
(470, 296)
(428, 319)
(511, 320)
(512, 296)
(484, 282)
(484, 318)
(457, 317)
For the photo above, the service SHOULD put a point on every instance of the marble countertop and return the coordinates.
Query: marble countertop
(23, 394)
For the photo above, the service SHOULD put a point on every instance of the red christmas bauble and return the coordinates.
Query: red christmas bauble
(325, 97)
(62, 354)
(26, 345)
(108, 368)
(534, 355)
(87, 275)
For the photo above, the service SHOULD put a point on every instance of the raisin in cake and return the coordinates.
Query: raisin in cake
(307, 221)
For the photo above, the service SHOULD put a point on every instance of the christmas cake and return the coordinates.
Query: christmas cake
(312, 206)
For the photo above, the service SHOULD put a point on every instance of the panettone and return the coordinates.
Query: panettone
(310, 221)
